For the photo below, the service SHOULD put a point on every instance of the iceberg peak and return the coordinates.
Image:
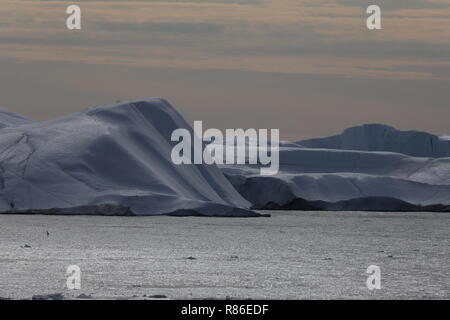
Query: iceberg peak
(380, 137)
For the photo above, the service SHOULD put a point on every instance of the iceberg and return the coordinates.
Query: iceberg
(116, 160)
(379, 137)
(108, 160)
(371, 167)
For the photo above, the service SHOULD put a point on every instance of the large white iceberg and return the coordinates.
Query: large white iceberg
(320, 174)
(108, 160)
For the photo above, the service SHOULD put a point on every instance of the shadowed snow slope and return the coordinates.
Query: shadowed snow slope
(332, 179)
(378, 137)
(110, 160)
(8, 119)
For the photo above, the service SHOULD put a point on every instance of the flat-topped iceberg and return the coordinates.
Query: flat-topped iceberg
(320, 174)
(107, 160)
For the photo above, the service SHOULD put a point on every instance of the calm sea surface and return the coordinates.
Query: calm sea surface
(292, 255)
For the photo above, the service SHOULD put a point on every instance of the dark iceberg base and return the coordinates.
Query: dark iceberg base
(117, 210)
(382, 204)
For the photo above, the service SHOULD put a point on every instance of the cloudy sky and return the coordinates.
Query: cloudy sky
(308, 67)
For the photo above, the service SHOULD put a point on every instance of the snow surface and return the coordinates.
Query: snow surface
(8, 119)
(108, 160)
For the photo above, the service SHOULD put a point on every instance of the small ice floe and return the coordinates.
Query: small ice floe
(156, 296)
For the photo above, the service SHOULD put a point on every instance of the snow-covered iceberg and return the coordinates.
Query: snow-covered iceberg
(320, 174)
(107, 160)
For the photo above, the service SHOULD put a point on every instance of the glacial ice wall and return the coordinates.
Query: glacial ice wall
(322, 174)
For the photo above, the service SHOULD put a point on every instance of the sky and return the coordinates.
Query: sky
(310, 68)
